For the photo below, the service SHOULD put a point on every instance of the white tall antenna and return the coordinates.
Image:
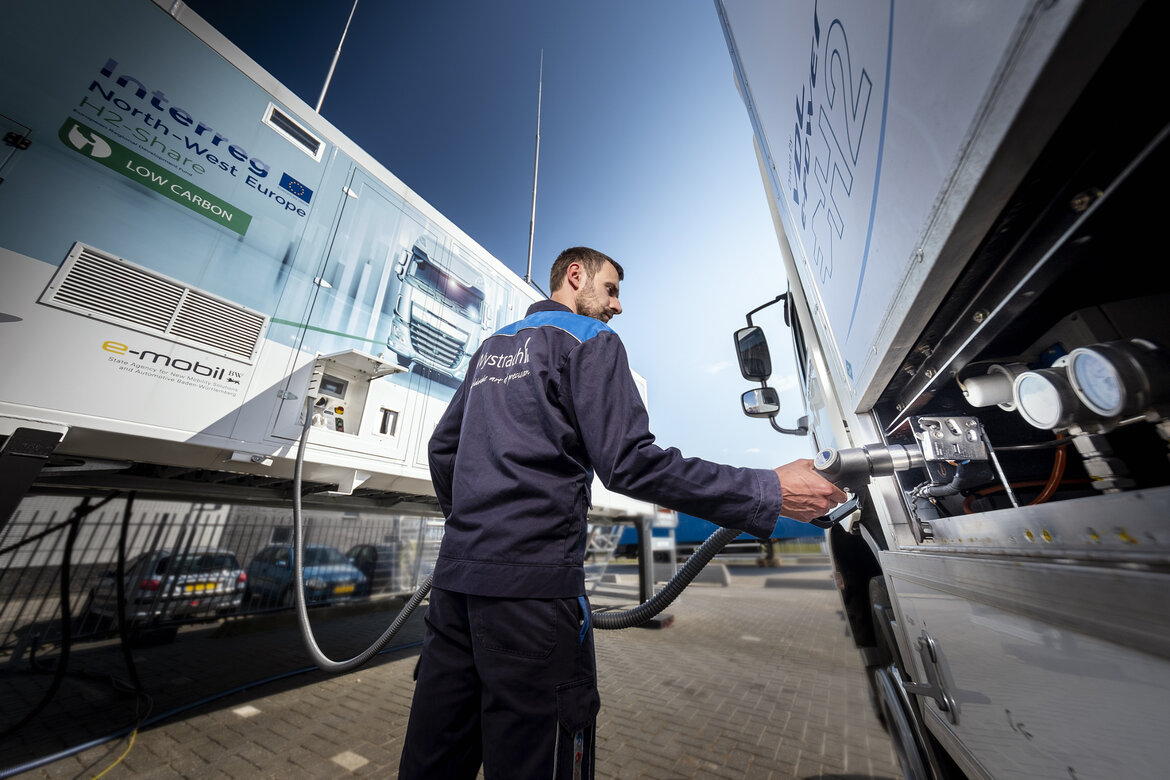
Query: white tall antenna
(535, 170)
(336, 55)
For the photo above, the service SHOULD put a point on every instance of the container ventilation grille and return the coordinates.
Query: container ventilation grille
(119, 291)
(215, 323)
(109, 288)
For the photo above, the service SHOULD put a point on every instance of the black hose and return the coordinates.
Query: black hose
(123, 606)
(79, 512)
(968, 474)
(661, 600)
(644, 612)
(602, 619)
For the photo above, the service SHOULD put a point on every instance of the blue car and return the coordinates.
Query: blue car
(329, 576)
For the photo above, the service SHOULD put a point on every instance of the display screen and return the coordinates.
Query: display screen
(331, 385)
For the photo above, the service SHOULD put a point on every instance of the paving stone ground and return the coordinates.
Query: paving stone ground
(757, 679)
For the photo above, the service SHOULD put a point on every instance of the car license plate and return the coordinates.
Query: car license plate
(342, 589)
(199, 587)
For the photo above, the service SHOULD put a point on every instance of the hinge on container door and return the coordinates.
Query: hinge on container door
(17, 140)
(933, 687)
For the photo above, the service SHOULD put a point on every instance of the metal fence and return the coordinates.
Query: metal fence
(174, 552)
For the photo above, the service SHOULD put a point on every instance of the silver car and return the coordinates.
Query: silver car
(165, 585)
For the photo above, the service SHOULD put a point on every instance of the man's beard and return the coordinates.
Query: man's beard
(588, 305)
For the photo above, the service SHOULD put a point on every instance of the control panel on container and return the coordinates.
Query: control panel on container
(341, 385)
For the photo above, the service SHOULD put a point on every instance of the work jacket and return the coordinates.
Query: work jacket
(547, 402)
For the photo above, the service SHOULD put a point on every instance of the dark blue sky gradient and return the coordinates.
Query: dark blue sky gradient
(646, 154)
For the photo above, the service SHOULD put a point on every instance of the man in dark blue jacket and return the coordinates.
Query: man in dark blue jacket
(506, 678)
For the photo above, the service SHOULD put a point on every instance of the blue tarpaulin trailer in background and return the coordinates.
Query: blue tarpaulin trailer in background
(693, 531)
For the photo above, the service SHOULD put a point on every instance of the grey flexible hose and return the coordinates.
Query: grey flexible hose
(602, 619)
(323, 661)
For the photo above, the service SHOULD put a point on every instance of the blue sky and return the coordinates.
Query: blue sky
(646, 154)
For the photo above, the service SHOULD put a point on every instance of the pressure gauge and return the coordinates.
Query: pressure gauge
(1096, 382)
(1120, 378)
(1045, 398)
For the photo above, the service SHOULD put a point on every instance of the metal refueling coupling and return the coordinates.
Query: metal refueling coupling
(854, 467)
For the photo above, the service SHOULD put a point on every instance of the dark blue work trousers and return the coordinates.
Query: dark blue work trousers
(509, 683)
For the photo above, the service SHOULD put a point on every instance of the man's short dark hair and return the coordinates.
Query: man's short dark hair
(590, 259)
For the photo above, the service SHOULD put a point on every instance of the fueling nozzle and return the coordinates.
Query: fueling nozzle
(853, 468)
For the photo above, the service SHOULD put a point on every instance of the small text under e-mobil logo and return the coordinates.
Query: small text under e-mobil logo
(176, 364)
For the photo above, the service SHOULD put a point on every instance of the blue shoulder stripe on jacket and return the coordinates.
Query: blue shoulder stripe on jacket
(581, 327)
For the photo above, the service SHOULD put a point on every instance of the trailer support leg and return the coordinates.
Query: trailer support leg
(645, 560)
(22, 456)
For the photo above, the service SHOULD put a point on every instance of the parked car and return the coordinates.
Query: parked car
(168, 585)
(329, 575)
(382, 567)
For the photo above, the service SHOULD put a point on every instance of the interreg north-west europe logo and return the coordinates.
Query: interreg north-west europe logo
(101, 149)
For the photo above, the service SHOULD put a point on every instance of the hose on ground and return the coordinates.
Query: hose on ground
(661, 600)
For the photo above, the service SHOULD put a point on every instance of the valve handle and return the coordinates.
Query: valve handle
(838, 514)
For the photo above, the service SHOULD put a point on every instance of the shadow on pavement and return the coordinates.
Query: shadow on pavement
(242, 657)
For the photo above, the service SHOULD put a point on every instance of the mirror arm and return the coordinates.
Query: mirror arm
(777, 299)
(800, 431)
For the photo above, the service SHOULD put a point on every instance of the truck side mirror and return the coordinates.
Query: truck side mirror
(761, 402)
(755, 362)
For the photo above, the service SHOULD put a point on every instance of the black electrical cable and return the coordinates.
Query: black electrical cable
(123, 628)
(1042, 445)
(123, 631)
(30, 539)
(79, 512)
(50, 530)
(46, 760)
(121, 566)
(121, 687)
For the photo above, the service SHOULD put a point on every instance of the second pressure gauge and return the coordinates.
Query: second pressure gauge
(1096, 381)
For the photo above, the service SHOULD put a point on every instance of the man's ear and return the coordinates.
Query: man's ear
(575, 275)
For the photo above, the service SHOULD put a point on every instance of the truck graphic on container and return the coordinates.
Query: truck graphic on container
(440, 316)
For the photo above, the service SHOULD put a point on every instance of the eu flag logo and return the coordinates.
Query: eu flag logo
(295, 187)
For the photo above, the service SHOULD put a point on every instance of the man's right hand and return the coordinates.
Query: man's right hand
(806, 493)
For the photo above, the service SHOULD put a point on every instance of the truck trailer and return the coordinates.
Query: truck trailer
(966, 201)
(190, 253)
